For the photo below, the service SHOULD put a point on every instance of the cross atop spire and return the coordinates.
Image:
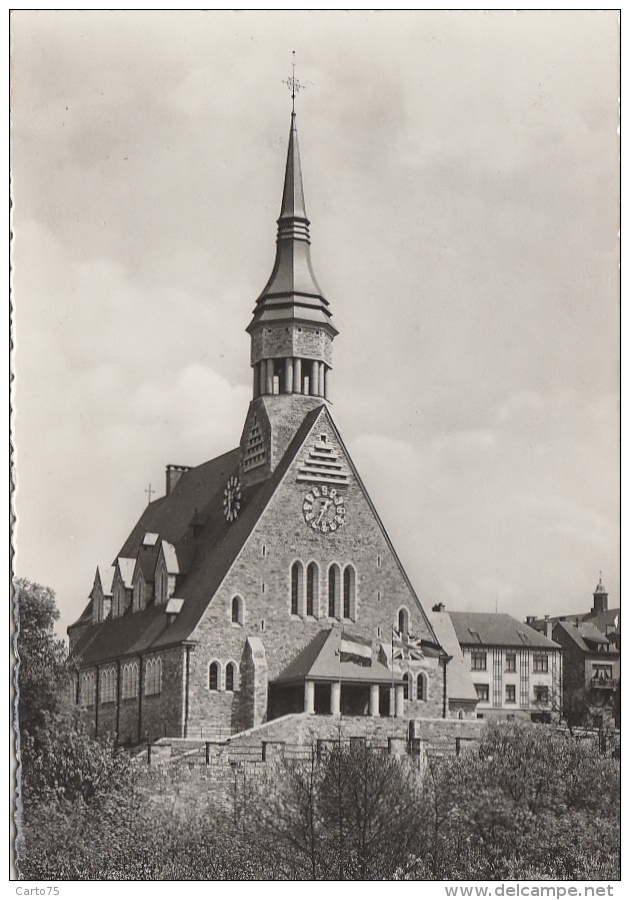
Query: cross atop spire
(293, 84)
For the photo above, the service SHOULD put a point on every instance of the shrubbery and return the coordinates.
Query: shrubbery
(527, 802)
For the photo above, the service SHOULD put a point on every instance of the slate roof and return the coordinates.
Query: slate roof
(460, 683)
(497, 630)
(320, 661)
(584, 633)
(207, 554)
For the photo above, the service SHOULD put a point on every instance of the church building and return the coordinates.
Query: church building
(264, 582)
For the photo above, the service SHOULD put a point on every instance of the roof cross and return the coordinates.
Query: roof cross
(293, 84)
(150, 491)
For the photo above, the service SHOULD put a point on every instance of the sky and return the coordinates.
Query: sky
(461, 175)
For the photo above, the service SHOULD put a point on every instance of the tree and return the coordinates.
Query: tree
(42, 669)
(352, 813)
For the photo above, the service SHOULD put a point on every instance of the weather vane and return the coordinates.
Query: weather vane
(293, 84)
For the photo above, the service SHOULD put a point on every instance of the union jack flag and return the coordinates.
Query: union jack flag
(406, 646)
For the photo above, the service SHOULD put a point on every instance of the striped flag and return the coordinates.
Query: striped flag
(352, 649)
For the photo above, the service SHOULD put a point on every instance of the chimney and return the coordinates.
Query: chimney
(438, 607)
(173, 474)
(530, 620)
(548, 627)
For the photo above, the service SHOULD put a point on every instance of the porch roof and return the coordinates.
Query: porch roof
(321, 660)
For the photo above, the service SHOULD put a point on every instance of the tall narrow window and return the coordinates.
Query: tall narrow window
(420, 687)
(333, 592)
(403, 621)
(349, 593)
(296, 587)
(312, 588)
(213, 676)
(407, 686)
(238, 611)
(229, 676)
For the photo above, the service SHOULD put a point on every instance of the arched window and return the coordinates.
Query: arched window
(421, 693)
(407, 686)
(297, 578)
(333, 591)
(238, 611)
(130, 680)
(213, 676)
(349, 590)
(312, 588)
(108, 685)
(403, 620)
(230, 677)
(460, 714)
(153, 676)
(87, 688)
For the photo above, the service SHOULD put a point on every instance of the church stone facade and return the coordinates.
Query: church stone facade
(263, 583)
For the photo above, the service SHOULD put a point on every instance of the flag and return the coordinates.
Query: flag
(405, 646)
(354, 650)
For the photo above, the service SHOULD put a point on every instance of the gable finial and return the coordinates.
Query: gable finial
(294, 85)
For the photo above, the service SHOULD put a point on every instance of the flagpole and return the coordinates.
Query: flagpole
(392, 696)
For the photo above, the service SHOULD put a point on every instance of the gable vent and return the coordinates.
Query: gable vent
(322, 463)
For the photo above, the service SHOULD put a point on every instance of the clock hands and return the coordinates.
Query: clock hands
(324, 508)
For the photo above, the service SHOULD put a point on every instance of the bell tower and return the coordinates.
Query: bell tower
(291, 336)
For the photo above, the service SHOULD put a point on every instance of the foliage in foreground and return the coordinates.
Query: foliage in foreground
(528, 802)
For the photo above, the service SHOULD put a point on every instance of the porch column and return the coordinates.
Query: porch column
(322, 379)
(400, 701)
(309, 696)
(297, 377)
(335, 698)
(374, 695)
(288, 375)
(326, 371)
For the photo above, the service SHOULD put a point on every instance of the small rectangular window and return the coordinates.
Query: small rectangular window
(262, 587)
(264, 550)
(541, 662)
(483, 692)
(262, 624)
(510, 693)
(378, 561)
(478, 660)
(510, 662)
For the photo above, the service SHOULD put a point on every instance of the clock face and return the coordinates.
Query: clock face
(324, 509)
(232, 498)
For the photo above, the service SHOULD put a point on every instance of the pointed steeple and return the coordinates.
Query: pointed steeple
(291, 335)
(292, 291)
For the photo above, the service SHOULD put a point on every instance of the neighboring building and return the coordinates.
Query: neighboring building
(462, 696)
(516, 671)
(591, 645)
(263, 582)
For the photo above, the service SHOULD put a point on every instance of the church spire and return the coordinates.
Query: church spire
(292, 289)
(291, 335)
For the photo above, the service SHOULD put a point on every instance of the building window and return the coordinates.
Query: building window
(312, 588)
(230, 676)
(296, 587)
(333, 591)
(478, 660)
(541, 694)
(238, 610)
(88, 688)
(349, 593)
(403, 621)
(153, 676)
(129, 680)
(541, 662)
(510, 662)
(213, 676)
(407, 686)
(483, 692)
(108, 685)
(510, 693)
(421, 688)
(602, 672)
(378, 560)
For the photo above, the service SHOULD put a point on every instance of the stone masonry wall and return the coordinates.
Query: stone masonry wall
(261, 576)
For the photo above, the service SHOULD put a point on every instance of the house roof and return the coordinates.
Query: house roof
(585, 635)
(460, 683)
(320, 660)
(497, 630)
